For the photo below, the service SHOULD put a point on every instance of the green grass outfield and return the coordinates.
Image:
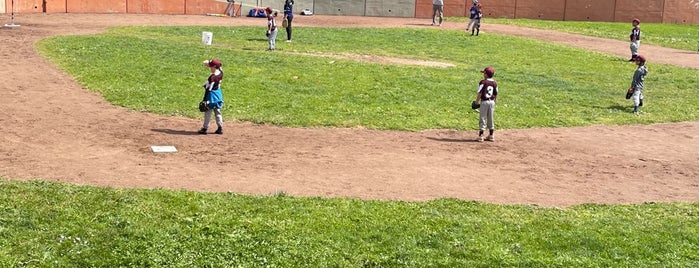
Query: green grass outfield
(679, 36)
(158, 69)
(46, 224)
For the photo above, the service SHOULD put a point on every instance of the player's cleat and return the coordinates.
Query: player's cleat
(479, 139)
(219, 131)
(288, 41)
(490, 138)
(202, 131)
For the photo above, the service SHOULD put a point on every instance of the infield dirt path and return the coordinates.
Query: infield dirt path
(51, 128)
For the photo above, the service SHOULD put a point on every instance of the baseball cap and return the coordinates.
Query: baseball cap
(489, 71)
(215, 63)
(269, 9)
(636, 20)
(640, 58)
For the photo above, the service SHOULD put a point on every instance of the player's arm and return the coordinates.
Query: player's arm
(478, 95)
(495, 93)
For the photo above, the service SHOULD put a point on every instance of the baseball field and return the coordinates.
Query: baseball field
(350, 146)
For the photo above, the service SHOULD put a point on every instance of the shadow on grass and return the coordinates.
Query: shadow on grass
(451, 140)
(616, 107)
(257, 39)
(175, 132)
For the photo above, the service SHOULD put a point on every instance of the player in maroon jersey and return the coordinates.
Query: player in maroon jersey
(271, 28)
(487, 94)
(213, 96)
(635, 38)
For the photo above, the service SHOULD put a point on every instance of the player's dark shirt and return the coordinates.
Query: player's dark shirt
(214, 81)
(488, 89)
(635, 34)
(474, 12)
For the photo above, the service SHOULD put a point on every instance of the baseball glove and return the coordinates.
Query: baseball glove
(268, 33)
(475, 105)
(285, 23)
(629, 93)
(203, 107)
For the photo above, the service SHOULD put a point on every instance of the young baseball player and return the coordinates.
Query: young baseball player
(213, 96)
(639, 77)
(288, 17)
(473, 12)
(486, 96)
(271, 28)
(477, 25)
(635, 38)
(437, 7)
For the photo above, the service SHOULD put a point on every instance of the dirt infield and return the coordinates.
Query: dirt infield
(51, 128)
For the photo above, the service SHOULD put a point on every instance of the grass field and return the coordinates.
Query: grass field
(679, 36)
(58, 225)
(158, 69)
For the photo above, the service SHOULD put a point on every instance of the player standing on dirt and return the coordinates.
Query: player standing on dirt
(437, 6)
(486, 96)
(477, 25)
(635, 38)
(213, 96)
(473, 12)
(637, 85)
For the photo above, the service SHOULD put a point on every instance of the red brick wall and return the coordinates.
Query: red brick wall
(540, 9)
(645, 10)
(499, 9)
(680, 11)
(96, 6)
(155, 6)
(25, 6)
(452, 8)
(204, 7)
(120, 6)
(590, 10)
(667, 11)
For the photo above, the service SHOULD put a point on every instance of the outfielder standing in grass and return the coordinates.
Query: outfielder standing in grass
(271, 28)
(486, 96)
(213, 96)
(288, 17)
(635, 38)
(437, 6)
(636, 89)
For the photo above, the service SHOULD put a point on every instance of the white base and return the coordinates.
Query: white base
(163, 149)
(12, 25)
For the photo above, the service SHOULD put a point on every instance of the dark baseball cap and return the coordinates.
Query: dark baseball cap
(215, 63)
(640, 58)
(489, 71)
